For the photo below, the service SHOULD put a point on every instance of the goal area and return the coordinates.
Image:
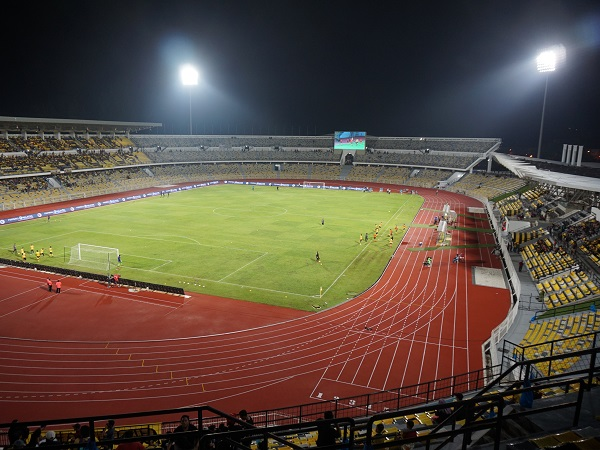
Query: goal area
(94, 256)
(314, 184)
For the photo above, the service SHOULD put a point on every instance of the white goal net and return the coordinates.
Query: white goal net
(94, 256)
(314, 184)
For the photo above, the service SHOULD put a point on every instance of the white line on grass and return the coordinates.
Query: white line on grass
(356, 257)
(224, 282)
(147, 257)
(244, 266)
(182, 237)
(165, 261)
(247, 210)
(50, 239)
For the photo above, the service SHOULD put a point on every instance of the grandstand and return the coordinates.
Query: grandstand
(560, 250)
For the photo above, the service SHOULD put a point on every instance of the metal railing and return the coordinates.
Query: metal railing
(484, 412)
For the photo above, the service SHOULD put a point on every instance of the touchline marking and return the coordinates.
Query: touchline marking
(356, 257)
(161, 265)
(225, 282)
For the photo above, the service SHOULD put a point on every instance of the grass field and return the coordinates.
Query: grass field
(234, 241)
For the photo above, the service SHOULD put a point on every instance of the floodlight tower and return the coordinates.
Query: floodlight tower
(189, 77)
(546, 63)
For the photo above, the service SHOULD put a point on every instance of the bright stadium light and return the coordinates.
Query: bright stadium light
(189, 77)
(547, 61)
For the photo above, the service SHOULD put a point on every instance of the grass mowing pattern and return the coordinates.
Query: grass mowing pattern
(234, 241)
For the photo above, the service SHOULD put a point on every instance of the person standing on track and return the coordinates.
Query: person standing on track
(49, 284)
(58, 286)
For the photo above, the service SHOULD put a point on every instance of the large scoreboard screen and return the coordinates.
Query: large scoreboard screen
(350, 140)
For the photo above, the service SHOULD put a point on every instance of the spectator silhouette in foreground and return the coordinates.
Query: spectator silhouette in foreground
(327, 431)
(17, 432)
(186, 441)
(134, 445)
(50, 439)
(408, 433)
(109, 434)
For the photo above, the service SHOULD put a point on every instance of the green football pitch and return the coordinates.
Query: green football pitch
(235, 241)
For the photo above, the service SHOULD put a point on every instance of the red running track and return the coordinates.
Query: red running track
(97, 351)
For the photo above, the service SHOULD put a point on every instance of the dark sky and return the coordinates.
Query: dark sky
(391, 68)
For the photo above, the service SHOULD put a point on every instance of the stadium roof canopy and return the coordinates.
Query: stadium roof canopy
(36, 125)
(525, 169)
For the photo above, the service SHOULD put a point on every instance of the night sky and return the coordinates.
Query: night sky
(391, 68)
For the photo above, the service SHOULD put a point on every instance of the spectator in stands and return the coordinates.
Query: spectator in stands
(442, 413)
(34, 440)
(50, 439)
(461, 411)
(84, 437)
(76, 433)
(184, 441)
(408, 433)
(243, 415)
(108, 433)
(379, 435)
(17, 432)
(134, 445)
(327, 431)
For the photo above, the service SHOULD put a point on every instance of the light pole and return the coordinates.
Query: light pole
(546, 63)
(189, 77)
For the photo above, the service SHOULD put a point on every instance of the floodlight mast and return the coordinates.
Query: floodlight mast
(546, 63)
(189, 77)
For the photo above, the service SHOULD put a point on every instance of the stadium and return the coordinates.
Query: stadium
(445, 271)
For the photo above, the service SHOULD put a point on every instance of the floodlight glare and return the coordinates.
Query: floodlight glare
(546, 61)
(189, 75)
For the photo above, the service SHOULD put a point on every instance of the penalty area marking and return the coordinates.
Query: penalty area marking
(244, 266)
(153, 269)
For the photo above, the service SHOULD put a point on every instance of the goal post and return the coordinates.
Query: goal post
(314, 184)
(94, 256)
